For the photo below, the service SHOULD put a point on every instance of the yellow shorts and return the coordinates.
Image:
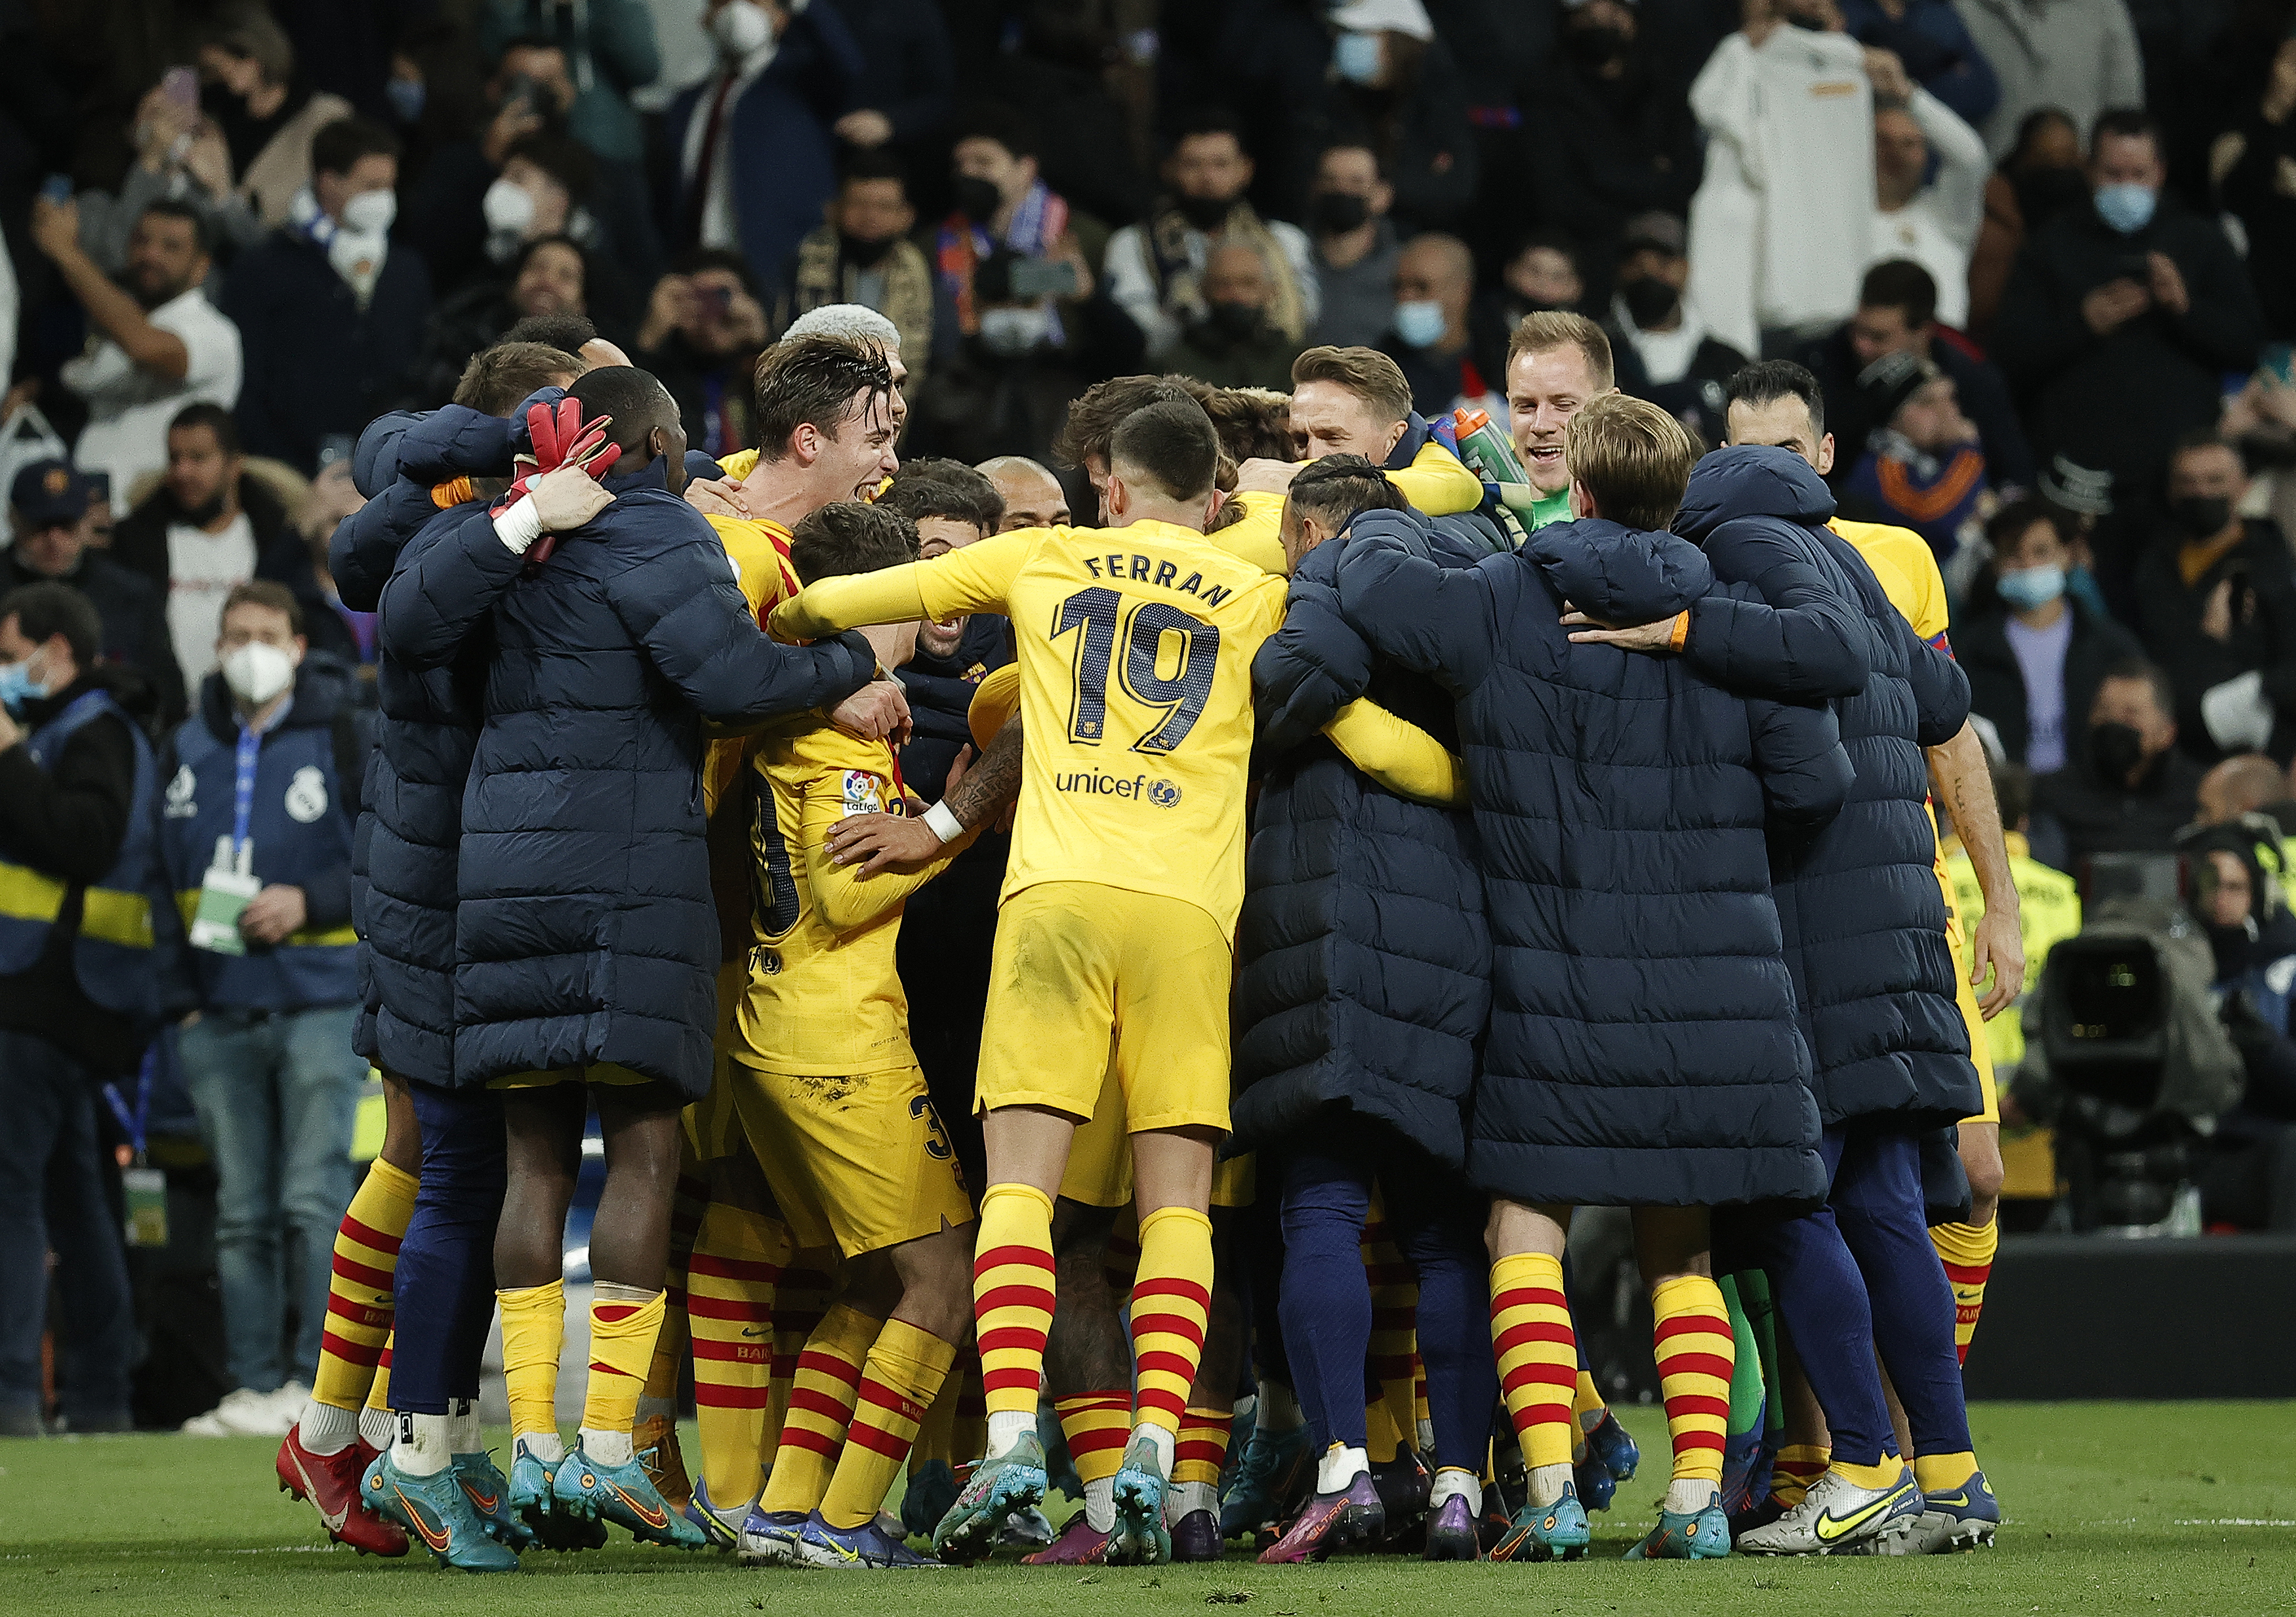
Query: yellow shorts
(597, 1073)
(862, 1163)
(1980, 1047)
(1078, 964)
(1099, 1173)
(712, 1127)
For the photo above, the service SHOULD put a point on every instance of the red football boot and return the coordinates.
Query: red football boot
(331, 1484)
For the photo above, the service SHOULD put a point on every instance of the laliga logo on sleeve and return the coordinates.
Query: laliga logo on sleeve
(1163, 794)
(307, 795)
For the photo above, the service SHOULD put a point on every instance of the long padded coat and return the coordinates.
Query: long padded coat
(584, 931)
(1365, 977)
(403, 853)
(1863, 915)
(1642, 1045)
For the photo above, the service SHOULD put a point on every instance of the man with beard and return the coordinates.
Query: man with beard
(862, 254)
(159, 344)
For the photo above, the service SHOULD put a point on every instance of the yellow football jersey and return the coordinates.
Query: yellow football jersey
(1908, 569)
(823, 995)
(1135, 648)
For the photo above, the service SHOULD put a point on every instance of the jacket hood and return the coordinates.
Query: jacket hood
(1406, 528)
(1618, 574)
(1751, 480)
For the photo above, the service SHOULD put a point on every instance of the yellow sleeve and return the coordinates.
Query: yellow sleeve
(994, 702)
(1438, 483)
(760, 563)
(1258, 538)
(973, 579)
(739, 464)
(1398, 754)
(842, 899)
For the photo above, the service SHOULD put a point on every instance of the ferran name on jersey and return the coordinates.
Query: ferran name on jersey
(1154, 571)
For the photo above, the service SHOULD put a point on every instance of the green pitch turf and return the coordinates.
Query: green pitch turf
(2181, 1510)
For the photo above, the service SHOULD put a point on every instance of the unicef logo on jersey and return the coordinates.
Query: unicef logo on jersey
(307, 795)
(181, 790)
(1163, 794)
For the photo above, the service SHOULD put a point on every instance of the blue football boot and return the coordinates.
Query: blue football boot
(623, 1495)
(435, 1510)
(489, 1491)
(1548, 1533)
(1952, 1519)
(1699, 1535)
(1276, 1473)
(1141, 1538)
(1747, 1460)
(1011, 1481)
(769, 1538)
(530, 1502)
(721, 1527)
(867, 1548)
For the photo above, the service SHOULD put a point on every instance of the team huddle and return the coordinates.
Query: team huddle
(1205, 982)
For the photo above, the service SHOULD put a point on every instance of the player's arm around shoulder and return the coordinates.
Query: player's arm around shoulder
(834, 783)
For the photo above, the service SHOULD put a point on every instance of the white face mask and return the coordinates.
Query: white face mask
(509, 208)
(256, 671)
(740, 28)
(370, 213)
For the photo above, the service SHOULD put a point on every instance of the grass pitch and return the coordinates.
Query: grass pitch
(2187, 1509)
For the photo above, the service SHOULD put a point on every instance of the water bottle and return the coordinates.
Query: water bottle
(1488, 451)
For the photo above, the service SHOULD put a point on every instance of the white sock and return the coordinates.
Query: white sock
(547, 1447)
(1100, 1504)
(1279, 1409)
(1547, 1483)
(1426, 1436)
(1185, 1499)
(1160, 1442)
(1008, 1427)
(323, 1429)
(377, 1428)
(607, 1448)
(463, 1426)
(424, 1446)
(656, 1409)
(1340, 1466)
(1453, 1480)
(1687, 1496)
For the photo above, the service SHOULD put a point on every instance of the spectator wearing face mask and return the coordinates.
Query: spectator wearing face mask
(2034, 654)
(1927, 214)
(1922, 467)
(704, 329)
(1394, 86)
(2130, 298)
(1234, 344)
(49, 510)
(1155, 269)
(2127, 787)
(330, 313)
(2216, 607)
(1001, 200)
(1355, 247)
(1684, 366)
(2039, 179)
(2080, 57)
(1431, 336)
(1617, 136)
(862, 254)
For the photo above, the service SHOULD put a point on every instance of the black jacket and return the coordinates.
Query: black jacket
(2076, 386)
(2075, 814)
(1977, 383)
(2169, 614)
(1997, 684)
(135, 617)
(1695, 398)
(1862, 911)
(1364, 962)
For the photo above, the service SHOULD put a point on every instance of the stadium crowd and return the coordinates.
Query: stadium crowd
(566, 560)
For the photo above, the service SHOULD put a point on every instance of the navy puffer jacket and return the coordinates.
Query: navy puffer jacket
(1365, 962)
(1642, 1045)
(403, 853)
(584, 931)
(1863, 915)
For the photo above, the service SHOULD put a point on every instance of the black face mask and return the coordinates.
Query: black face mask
(1593, 44)
(2114, 752)
(2042, 193)
(1238, 321)
(1648, 300)
(2200, 516)
(861, 254)
(1337, 212)
(978, 199)
(1204, 212)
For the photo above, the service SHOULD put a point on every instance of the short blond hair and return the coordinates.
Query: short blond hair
(1366, 372)
(1556, 328)
(1633, 459)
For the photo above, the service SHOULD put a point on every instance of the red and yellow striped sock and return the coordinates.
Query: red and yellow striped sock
(1538, 1354)
(820, 1408)
(1096, 1426)
(798, 1304)
(1013, 1300)
(1170, 1302)
(1797, 1466)
(359, 1287)
(730, 1278)
(936, 1433)
(533, 1329)
(1695, 1348)
(905, 1368)
(623, 1325)
(1394, 1322)
(1202, 1447)
(1967, 1251)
